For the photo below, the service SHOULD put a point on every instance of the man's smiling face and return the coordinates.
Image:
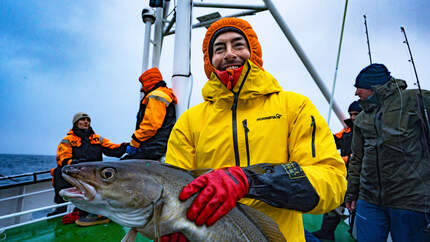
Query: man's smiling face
(230, 51)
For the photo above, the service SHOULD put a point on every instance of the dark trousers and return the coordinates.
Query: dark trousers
(59, 183)
(374, 222)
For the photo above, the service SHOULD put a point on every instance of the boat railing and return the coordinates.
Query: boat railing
(27, 198)
(32, 177)
(12, 215)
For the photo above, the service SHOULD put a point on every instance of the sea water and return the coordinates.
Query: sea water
(12, 164)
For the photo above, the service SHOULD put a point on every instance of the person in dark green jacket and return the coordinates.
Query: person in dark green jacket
(389, 171)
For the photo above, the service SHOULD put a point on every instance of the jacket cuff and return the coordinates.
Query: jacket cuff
(282, 186)
(134, 143)
(351, 191)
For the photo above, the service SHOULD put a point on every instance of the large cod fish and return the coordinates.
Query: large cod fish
(143, 195)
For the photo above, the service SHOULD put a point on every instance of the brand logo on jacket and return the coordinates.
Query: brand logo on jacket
(276, 116)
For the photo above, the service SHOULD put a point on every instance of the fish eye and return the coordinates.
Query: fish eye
(107, 173)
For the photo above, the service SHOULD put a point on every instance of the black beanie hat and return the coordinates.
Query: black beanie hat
(354, 106)
(374, 74)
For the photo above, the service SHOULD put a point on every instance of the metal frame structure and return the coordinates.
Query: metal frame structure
(181, 25)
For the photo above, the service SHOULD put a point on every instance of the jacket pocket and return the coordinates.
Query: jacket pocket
(246, 129)
(314, 127)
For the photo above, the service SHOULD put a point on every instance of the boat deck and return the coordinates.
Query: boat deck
(54, 230)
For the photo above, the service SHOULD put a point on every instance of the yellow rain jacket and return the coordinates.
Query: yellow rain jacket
(269, 126)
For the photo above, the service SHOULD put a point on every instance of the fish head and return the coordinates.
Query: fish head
(123, 191)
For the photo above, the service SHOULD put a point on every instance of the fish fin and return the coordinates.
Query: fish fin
(198, 172)
(130, 236)
(267, 225)
(158, 207)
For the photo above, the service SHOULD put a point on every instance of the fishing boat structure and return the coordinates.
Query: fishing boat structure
(24, 205)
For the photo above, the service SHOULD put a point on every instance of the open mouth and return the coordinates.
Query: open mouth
(232, 67)
(80, 191)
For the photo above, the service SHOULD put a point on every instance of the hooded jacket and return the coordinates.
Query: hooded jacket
(390, 164)
(80, 147)
(343, 141)
(155, 121)
(256, 122)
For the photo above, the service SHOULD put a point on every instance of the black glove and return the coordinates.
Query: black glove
(77, 161)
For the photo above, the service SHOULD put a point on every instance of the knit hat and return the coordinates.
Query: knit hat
(374, 74)
(79, 116)
(226, 25)
(354, 106)
(149, 78)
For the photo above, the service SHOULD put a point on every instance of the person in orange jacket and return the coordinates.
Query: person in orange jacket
(343, 138)
(343, 141)
(81, 145)
(155, 118)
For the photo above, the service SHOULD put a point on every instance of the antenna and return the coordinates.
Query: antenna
(367, 37)
(421, 103)
(337, 65)
(412, 58)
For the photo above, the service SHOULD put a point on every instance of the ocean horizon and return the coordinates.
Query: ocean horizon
(17, 164)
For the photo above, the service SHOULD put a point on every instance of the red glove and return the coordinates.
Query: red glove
(175, 237)
(219, 192)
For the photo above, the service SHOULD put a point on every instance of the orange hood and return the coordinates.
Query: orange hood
(240, 24)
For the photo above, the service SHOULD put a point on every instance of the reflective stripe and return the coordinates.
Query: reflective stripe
(65, 141)
(161, 99)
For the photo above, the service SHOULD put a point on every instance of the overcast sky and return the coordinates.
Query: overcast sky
(62, 57)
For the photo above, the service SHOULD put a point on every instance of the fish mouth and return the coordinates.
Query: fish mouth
(80, 191)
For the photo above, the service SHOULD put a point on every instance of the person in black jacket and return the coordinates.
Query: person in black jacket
(389, 170)
(81, 145)
(343, 142)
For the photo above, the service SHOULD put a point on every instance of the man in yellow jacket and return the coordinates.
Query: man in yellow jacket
(270, 148)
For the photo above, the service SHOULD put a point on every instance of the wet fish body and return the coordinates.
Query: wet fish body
(143, 195)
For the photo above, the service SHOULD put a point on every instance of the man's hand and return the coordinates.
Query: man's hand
(350, 205)
(219, 192)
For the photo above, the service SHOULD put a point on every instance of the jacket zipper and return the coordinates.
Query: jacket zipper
(234, 118)
(377, 158)
(245, 127)
(235, 143)
(314, 127)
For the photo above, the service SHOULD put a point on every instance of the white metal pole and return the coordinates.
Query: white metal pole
(148, 18)
(158, 32)
(287, 32)
(146, 41)
(181, 78)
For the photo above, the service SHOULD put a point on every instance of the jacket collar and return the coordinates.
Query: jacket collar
(381, 93)
(257, 83)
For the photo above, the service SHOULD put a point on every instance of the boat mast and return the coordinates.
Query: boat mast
(148, 18)
(181, 77)
(182, 19)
